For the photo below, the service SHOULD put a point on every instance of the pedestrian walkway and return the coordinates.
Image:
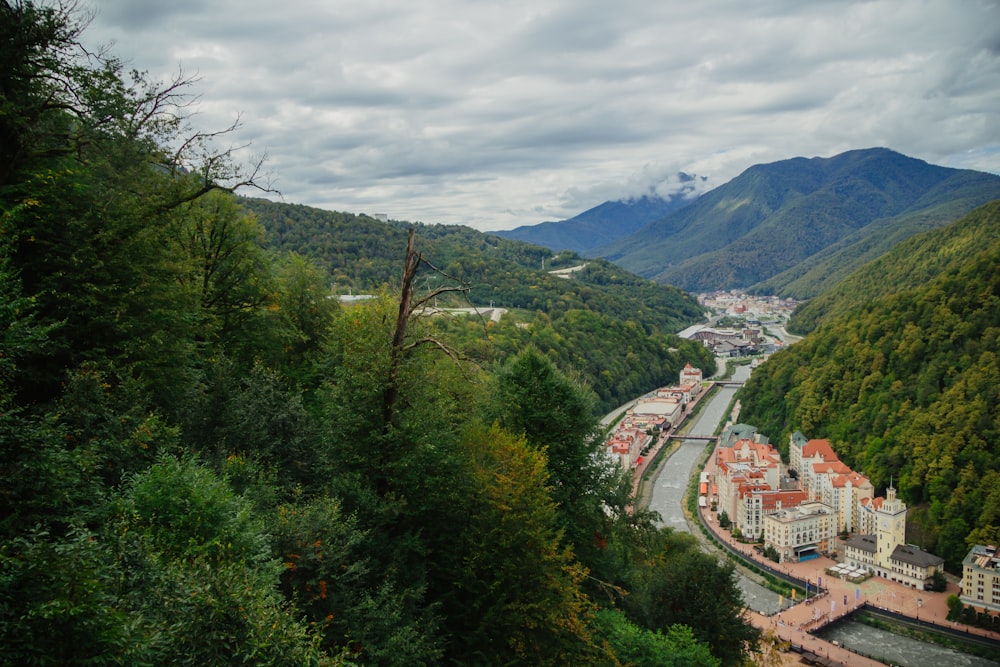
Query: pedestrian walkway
(841, 598)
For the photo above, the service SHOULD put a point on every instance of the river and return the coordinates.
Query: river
(667, 498)
(895, 649)
(667, 495)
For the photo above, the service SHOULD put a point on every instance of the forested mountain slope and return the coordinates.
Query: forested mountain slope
(906, 386)
(205, 460)
(776, 217)
(613, 328)
(911, 264)
(363, 254)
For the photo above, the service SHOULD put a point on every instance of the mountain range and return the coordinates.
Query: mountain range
(900, 372)
(793, 228)
(605, 223)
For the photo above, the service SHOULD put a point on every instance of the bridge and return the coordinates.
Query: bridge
(703, 438)
(727, 383)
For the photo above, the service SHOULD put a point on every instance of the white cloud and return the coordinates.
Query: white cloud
(513, 112)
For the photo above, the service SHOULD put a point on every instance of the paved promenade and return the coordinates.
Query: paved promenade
(842, 597)
(793, 624)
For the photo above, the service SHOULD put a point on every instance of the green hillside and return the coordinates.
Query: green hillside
(944, 203)
(604, 223)
(612, 328)
(206, 460)
(912, 263)
(906, 386)
(789, 216)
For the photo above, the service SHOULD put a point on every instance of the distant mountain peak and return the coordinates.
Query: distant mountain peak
(611, 220)
(780, 217)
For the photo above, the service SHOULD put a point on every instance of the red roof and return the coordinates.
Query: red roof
(820, 447)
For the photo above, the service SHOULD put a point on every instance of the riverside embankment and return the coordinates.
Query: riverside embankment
(664, 491)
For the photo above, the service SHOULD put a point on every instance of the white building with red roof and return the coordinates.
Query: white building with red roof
(691, 376)
(626, 445)
(747, 472)
(827, 479)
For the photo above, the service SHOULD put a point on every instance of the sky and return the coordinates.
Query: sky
(507, 113)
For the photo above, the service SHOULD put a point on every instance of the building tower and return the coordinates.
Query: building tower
(890, 521)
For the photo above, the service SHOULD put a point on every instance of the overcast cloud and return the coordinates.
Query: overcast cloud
(506, 113)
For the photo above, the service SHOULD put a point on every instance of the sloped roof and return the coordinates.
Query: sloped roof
(873, 503)
(914, 555)
(819, 447)
(855, 478)
(861, 543)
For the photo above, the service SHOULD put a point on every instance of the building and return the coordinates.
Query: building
(745, 464)
(867, 515)
(844, 492)
(800, 533)
(690, 375)
(658, 411)
(755, 501)
(825, 478)
(981, 579)
(626, 445)
(736, 432)
(884, 551)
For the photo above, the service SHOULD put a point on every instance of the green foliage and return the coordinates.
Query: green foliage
(530, 397)
(204, 459)
(61, 587)
(634, 645)
(785, 215)
(200, 571)
(913, 263)
(678, 584)
(955, 607)
(184, 511)
(519, 588)
(586, 319)
(904, 386)
(331, 572)
(617, 360)
(250, 412)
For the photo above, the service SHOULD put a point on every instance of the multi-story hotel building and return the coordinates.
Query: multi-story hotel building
(800, 533)
(981, 579)
(884, 552)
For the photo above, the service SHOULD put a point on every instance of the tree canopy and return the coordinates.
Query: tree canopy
(204, 459)
(905, 387)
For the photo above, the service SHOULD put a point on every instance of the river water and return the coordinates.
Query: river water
(667, 498)
(897, 650)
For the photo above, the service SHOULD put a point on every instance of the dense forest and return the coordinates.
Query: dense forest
(907, 386)
(796, 227)
(610, 328)
(204, 459)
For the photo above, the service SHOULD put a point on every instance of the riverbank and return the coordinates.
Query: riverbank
(795, 622)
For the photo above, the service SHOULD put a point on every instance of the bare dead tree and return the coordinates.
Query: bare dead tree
(409, 306)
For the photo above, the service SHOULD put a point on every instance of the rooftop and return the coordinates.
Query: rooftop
(861, 542)
(914, 555)
(983, 557)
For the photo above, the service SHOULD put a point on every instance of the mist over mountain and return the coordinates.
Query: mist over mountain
(607, 222)
(783, 217)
